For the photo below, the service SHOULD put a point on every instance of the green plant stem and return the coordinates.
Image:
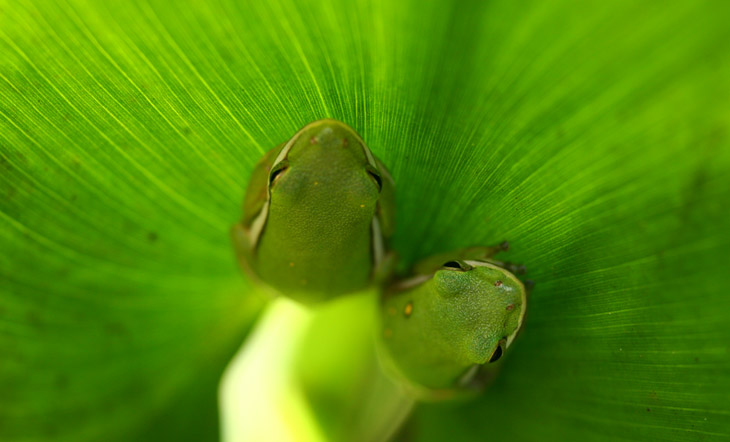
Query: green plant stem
(311, 375)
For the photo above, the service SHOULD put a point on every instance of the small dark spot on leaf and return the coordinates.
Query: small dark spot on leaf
(498, 283)
(51, 430)
(186, 130)
(152, 236)
(34, 319)
(648, 409)
(115, 328)
(62, 381)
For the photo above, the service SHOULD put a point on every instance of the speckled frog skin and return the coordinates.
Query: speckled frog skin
(317, 214)
(443, 326)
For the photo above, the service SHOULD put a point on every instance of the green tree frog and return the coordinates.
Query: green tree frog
(444, 326)
(317, 214)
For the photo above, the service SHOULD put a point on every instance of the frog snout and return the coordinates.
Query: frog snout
(328, 139)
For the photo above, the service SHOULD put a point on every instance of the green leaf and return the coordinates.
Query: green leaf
(591, 135)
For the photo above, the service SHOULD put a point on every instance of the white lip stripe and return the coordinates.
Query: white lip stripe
(368, 154)
(285, 150)
(482, 264)
(366, 149)
(412, 282)
(287, 147)
(377, 243)
(258, 225)
(469, 375)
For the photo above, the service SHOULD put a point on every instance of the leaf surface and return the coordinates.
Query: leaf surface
(591, 135)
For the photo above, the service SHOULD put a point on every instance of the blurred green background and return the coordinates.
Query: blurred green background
(591, 135)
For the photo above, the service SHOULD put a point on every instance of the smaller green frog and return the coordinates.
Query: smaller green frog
(317, 215)
(457, 314)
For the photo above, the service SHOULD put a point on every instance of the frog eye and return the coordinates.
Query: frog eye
(498, 352)
(278, 171)
(458, 266)
(375, 176)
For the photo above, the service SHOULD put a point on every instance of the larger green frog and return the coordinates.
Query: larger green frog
(317, 214)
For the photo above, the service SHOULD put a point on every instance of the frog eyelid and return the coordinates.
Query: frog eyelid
(498, 352)
(257, 224)
(375, 175)
(277, 171)
(459, 266)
